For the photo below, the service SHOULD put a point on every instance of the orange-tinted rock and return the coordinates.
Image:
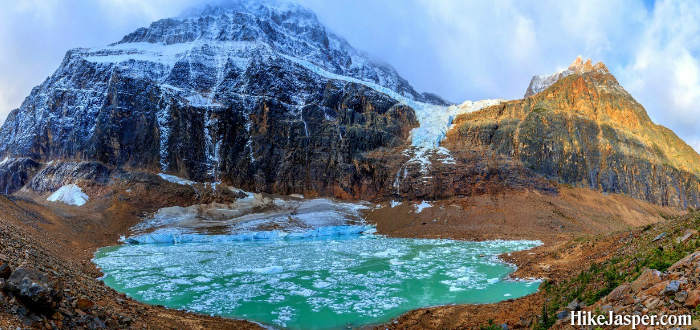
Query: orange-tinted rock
(84, 304)
(693, 299)
(649, 278)
(656, 290)
(619, 292)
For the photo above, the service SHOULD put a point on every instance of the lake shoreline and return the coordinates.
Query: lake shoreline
(70, 235)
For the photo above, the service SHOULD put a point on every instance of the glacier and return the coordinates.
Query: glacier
(176, 236)
(69, 194)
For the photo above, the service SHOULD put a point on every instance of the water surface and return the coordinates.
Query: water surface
(314, 283)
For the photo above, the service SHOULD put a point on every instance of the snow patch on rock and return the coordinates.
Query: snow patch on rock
(70, 194)
(423, 205)
(174, 179)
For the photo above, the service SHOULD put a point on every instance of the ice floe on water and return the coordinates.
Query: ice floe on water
(317, 282)
(69, 194)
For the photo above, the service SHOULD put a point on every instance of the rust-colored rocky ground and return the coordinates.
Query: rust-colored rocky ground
(59, 241)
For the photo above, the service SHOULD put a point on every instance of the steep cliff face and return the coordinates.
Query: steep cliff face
(586, 130)
(257, 94)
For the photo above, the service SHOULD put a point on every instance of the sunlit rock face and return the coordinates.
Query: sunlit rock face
(541, 82)
(586, 130)
(257, 94)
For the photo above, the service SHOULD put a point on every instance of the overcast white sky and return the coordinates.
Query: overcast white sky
(461, 50)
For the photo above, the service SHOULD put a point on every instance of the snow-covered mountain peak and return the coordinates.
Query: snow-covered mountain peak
(203, 78)
(259, 8)
(236, 34)
(541, 82)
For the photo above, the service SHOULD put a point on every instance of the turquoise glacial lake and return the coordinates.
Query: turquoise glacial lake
(314, 283)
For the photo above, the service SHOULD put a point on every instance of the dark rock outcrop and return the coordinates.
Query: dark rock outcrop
(35, 288)
(58, 174)
(16, 172)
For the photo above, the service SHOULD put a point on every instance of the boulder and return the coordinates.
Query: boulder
(575, 306)
(35, 288)
(84, 304)
(672, 287)
(693, 299)
(691, 262)
(681, 297)
(619, 292)
(652, 302)
(659, 237)
(649, 278)
(5, 270)
(688, 234)
(657, 289)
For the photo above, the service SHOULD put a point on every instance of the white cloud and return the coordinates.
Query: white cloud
(664, 73)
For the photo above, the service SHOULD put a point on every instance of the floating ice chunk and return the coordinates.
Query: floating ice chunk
(370, 231)
(202, 279)
(69, 194)
(304, 292)
(284, 315)
(422, 205)
(387, 253)
(268, 270)
(330, 231)
(181, 281)
(454, 288)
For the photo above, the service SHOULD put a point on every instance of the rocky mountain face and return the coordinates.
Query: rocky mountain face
(586, 130)
(255, 94)
(259, 95)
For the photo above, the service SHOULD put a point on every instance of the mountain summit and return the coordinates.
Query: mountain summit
(580, 127)
(540, 83)
(255, 93)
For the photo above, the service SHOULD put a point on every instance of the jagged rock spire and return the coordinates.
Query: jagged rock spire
(542, 82)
